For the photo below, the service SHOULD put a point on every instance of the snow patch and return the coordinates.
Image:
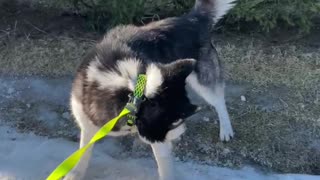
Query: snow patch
(29, 157)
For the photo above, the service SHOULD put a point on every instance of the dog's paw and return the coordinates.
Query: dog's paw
(74, 175)
(226, 132)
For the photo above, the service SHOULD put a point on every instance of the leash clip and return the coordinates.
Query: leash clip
(133, 106)
(135, 99)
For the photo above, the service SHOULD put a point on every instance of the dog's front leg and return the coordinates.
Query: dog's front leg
(163, 155)
(79, 171)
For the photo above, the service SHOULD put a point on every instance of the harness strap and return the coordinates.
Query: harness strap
(136, 100)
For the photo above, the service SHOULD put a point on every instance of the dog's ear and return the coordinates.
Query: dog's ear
(179, 69)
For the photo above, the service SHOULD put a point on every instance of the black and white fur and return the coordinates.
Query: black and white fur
(172, 52)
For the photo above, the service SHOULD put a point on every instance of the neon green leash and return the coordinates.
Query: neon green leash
(130, 110)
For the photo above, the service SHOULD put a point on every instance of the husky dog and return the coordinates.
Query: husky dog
(172, 53)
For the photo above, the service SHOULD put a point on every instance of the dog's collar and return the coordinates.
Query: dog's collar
(136, 99)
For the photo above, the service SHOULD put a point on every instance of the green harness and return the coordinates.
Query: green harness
(129, 110)
(135, 101)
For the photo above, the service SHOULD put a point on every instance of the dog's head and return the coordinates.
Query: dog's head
(166, 106)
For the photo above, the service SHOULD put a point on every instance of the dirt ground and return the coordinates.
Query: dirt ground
(277, 125)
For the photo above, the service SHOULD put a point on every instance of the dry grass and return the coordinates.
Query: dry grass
(279, 125)
(291, 65)
(49, 56)
(276, 128)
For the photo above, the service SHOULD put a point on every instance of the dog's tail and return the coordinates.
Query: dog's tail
(215, 8)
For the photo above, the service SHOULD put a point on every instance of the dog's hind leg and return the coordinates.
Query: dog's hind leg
(215, 97)
(207, 82)
(163, 155)
(87, 132)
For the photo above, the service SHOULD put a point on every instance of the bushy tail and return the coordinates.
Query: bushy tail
(216, 8)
